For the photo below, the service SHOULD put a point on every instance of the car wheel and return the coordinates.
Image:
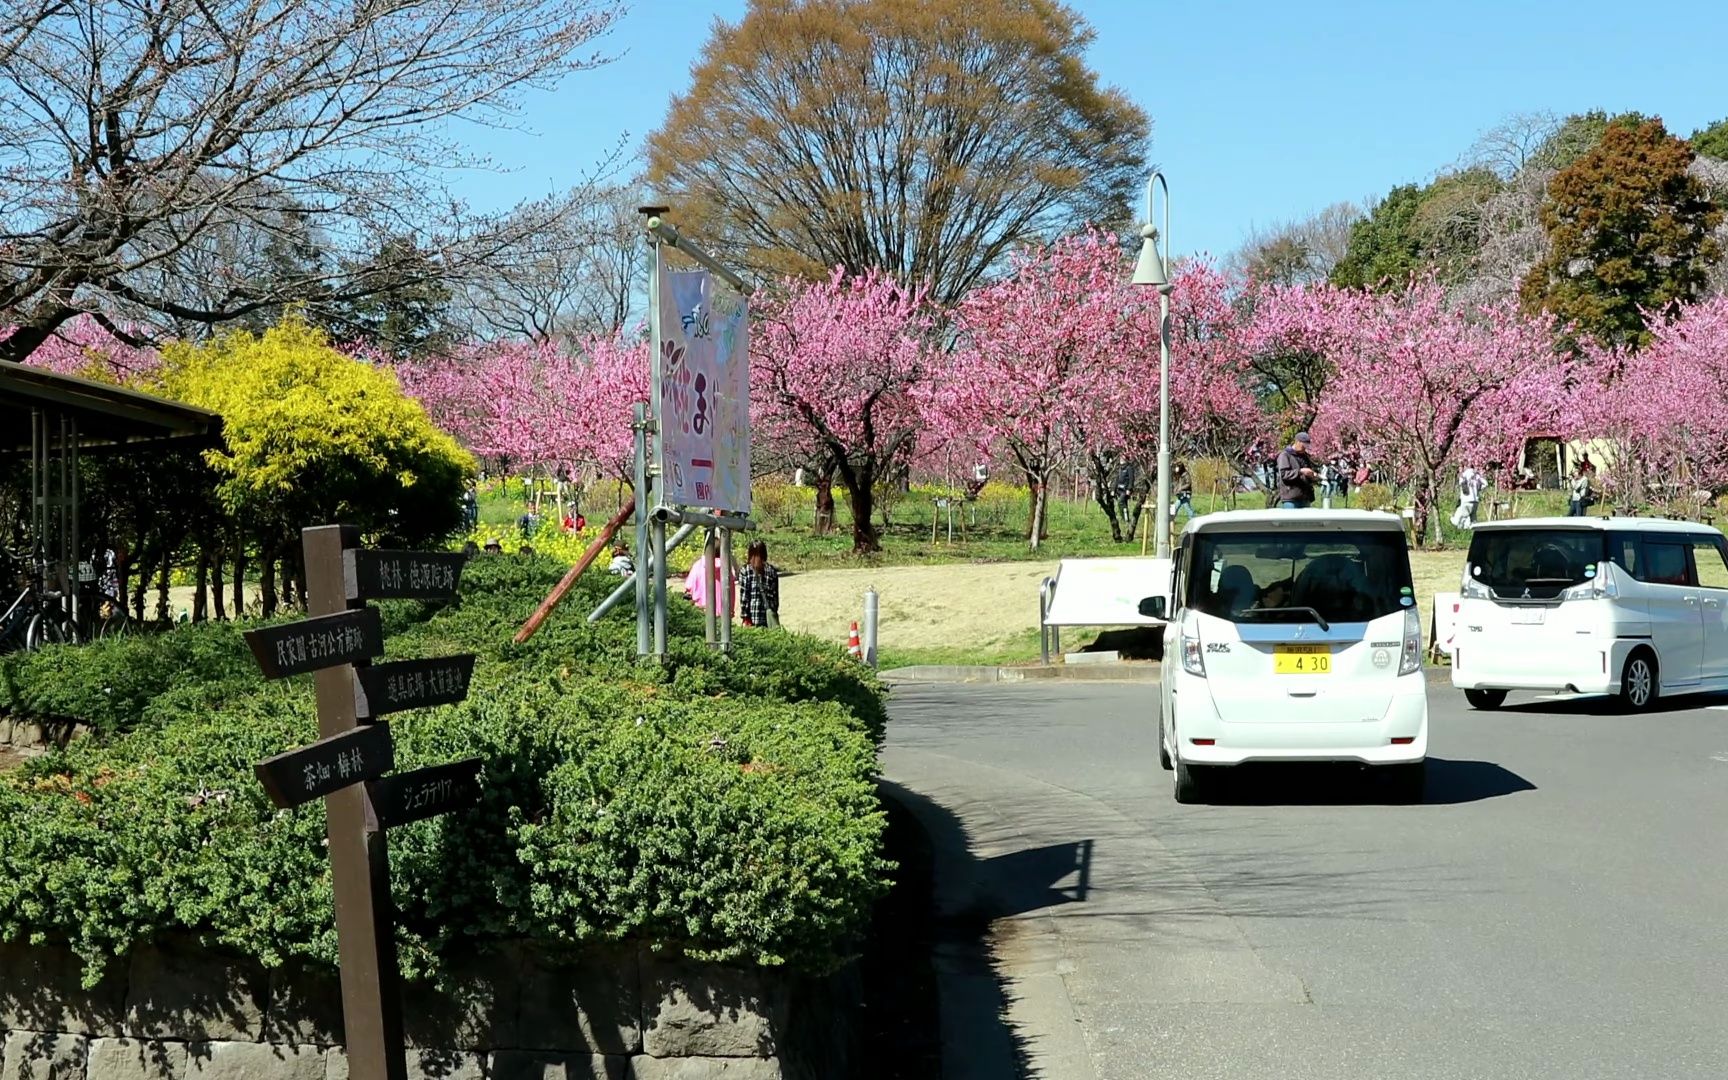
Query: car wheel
(1163, 747)
(1640, 683)
(1189, 787)
(1409, 783)
(1486, 700)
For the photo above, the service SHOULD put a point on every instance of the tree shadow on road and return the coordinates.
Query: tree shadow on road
(969, 896)
(1450, 782)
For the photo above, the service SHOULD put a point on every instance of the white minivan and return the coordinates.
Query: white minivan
(1632, 607)
(1292, 635)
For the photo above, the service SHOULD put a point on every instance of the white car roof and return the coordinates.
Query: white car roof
(1600, 524)
(1304, 520)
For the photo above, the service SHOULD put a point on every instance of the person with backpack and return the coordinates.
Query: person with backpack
(1582, 493)
(1470, 487)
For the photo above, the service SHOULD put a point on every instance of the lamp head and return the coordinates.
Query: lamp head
(1149, 269)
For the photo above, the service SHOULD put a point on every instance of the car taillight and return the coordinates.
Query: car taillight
(1193, 660)
(1410, 661)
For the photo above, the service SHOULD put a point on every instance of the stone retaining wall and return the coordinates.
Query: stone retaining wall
(179, 1011)
(34, 736)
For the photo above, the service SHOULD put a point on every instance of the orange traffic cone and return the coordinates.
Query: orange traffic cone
(853, 645)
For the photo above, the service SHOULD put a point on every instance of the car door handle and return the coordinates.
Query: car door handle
(1712, 602)
(1691, 601)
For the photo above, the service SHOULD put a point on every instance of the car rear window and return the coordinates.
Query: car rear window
(1535, 564)
(1343, 577)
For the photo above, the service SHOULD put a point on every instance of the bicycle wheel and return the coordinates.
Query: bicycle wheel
(50, 628)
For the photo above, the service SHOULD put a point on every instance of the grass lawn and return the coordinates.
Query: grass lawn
(972, 600)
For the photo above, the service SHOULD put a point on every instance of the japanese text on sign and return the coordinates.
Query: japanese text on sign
(704, 379)
(321, 642)
(384, 575)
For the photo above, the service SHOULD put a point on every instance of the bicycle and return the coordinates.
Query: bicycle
(33, 619)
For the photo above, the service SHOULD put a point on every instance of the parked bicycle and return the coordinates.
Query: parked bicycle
(35, 617)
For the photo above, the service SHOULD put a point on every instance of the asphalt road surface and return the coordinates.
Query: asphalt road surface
(1557, 908)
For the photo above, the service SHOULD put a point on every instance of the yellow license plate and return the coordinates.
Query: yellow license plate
(1302, 659)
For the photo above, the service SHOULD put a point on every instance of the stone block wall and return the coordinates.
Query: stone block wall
(176, 1010)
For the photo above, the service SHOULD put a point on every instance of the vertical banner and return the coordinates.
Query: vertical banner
(704, 375)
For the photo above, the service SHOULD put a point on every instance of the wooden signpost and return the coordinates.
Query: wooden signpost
(347, 767)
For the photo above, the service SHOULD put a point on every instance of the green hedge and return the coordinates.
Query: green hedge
(721, 807)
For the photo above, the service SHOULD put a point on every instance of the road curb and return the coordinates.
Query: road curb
(1125, 671)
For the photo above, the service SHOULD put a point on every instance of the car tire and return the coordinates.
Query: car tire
(1190, 783)
(1409, 783)
(1640, 682)
(1163, 748)
(1485, 700)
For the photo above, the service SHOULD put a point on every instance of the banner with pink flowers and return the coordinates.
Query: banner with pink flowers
(704, 374)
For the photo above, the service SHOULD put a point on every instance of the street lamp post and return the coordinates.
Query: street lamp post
(1150, 270)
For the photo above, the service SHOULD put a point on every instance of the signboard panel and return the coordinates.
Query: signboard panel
(1107, 592)
(704, 373)
(411, 684)
(402, 575)
(321, 642)
(330, 764)
(426, 793)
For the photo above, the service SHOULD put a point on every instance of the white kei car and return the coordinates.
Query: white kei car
(1292, 635)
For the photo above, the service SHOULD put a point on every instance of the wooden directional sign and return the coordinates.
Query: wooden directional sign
(321, 642)
(426, 793)
(402, 575)
(411, 684)
(330, 764)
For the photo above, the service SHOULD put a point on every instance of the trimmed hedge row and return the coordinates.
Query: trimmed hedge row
(719, 807)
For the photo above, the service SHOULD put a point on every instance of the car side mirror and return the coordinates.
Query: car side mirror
(1154, 607)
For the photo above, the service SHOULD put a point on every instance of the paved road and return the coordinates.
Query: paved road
(1558, 908)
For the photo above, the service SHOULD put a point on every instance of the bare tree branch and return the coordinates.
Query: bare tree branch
(142, 138)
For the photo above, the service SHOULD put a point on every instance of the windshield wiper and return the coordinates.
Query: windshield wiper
(1317, 617)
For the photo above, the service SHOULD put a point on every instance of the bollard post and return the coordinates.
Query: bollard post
(870, 616)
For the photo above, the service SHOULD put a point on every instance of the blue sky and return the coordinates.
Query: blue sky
(1261, 112)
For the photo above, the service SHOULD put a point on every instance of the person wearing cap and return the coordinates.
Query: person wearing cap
(1296, 474)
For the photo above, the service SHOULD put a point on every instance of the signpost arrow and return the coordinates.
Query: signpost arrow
(402, 575)
(425, 793)
(322, 642)
(330, 764)
(411, 684)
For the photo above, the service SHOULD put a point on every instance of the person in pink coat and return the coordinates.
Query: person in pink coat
(696, 583)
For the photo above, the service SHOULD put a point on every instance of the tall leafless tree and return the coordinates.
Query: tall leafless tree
(1298, 252)
(139, 133)
(578, 273)
(926, 139)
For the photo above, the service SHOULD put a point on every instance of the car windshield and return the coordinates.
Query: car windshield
(1300, 577)
(1534, 564)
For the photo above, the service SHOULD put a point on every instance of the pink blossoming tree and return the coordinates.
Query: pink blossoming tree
(1427, 389)
(834, 369)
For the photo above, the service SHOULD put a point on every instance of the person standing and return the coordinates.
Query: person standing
(1581, 494)
(1182, 486)
(1296, 474)
(759, 588)
(1470, 486)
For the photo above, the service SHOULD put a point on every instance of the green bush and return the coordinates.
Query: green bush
(721, 807)
(110, 683)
